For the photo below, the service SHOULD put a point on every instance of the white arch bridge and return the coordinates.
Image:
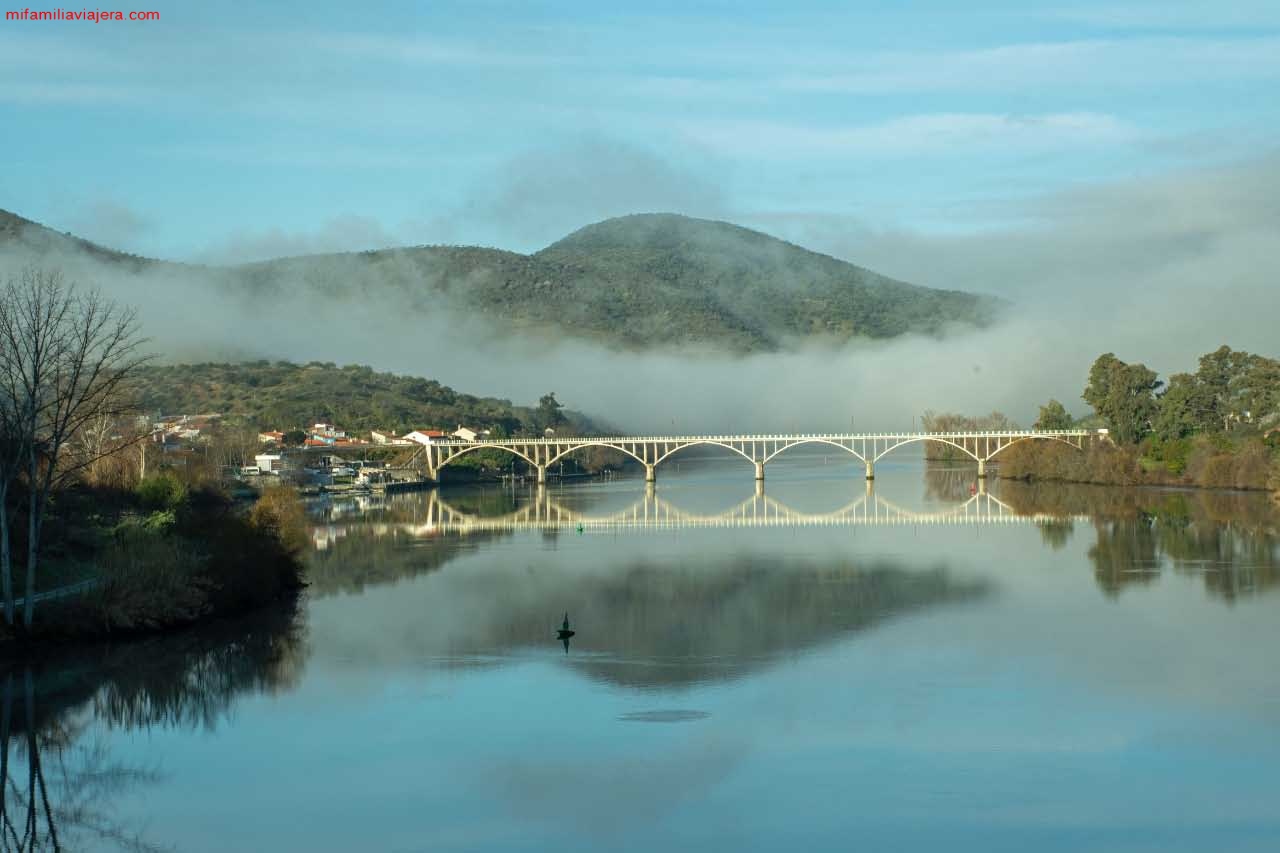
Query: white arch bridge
(652, 512)
(759, 450)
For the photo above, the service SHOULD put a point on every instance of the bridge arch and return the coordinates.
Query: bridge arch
(837, 445)
(493, 446)
(689, 444)
(567, 451)
(966, 451)
(907, 441)
(1046, 437)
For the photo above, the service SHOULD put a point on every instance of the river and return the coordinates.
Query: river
(813, 665)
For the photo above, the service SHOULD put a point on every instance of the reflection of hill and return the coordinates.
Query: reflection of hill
(61, 795)
(362, 557)
(651, 624)
(1231, 539)
(377, 541)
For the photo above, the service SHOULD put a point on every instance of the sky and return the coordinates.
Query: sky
(233, 131)
(1110, 169)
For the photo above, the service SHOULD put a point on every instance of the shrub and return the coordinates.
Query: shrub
(279, 513)
(149, 581)
(162, 491)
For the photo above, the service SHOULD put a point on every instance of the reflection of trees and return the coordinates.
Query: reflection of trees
(362, 557)
(1125, 553)
(61, 795)
(1056, 531)
(1230, 539)
(948, 483)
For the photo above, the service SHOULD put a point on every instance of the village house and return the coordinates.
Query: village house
(323, 430)
(273, 436)
(269, 463)
(387, 436)
(426, 436)
(465, 434)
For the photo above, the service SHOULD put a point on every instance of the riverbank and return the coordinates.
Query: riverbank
(158, 559)
(1204, 462)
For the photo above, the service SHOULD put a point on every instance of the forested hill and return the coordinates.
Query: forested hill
(661, 277)
(637, 282)
(282, 395)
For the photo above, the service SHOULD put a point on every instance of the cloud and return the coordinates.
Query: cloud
(1158, 270)
(108, 223)
(911, 136)
(419, 51)
(540, 196)
(349, 233)
(1128, 64)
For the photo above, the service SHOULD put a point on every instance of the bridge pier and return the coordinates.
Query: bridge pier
(982, 469)
(650, 474)
(542, 475)
(871, 470)
(759, 471)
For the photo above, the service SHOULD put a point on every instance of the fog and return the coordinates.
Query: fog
(1157, 270)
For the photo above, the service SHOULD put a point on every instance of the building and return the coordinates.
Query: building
(323, 430)
(465, 434)
(269, 463)
(426, 436)
(274, 436)
(387, 436)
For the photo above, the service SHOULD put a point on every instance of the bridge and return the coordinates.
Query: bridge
(437, 516)
(759, 450)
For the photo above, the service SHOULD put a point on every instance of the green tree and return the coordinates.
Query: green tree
(1124, 395)
(549, 414)
(1054, 415)
(1186, 407)
(294, 438)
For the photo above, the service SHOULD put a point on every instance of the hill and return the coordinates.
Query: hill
(637, 282)
(283, 395)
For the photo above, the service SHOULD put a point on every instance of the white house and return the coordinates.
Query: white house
(425, 436)
(465, 434)
(269, 463)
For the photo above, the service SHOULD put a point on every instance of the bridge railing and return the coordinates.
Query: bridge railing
(834, 436)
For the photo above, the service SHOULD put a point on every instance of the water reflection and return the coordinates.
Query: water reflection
(58, 780)
(431, 514)
(880, 629)
(1230, 539)
(565, 633)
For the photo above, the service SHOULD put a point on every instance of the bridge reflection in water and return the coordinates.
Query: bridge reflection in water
(434, 514)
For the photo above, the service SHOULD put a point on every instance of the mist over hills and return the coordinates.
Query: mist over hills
(640, 282)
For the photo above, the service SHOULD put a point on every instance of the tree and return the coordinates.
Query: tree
(294, 438)
(65, 358)
(1124, 395)
(549, 414)
(1187, 406)
(1054, 415)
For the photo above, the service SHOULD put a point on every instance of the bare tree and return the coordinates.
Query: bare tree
(65, 356)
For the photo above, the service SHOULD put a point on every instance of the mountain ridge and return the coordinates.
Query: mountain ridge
(637, 282)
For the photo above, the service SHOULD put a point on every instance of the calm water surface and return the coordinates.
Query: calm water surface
(810, 667)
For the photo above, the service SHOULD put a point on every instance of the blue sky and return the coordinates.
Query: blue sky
(240, 130)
